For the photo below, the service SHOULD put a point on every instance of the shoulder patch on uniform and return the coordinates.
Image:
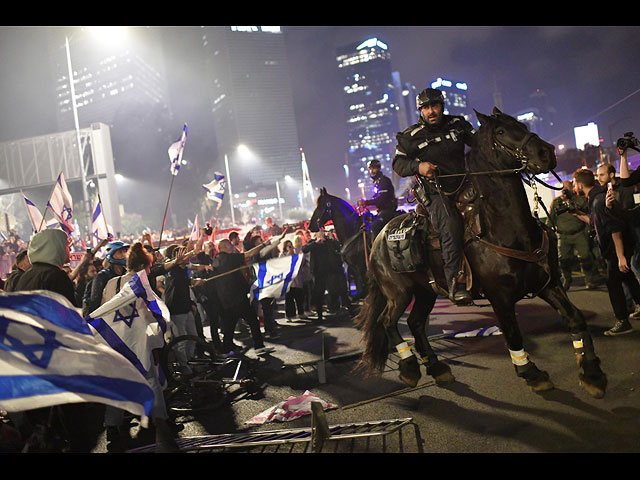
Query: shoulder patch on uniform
(416, 129)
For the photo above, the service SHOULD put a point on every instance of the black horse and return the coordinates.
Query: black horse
(350, 228)
(511, 255)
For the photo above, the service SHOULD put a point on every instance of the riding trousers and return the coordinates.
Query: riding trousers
(382, 218)
(445, 218)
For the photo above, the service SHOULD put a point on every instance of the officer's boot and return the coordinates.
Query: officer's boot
(458, 293)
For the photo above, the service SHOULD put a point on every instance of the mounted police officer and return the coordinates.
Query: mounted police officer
(384, 199)
(433, 147)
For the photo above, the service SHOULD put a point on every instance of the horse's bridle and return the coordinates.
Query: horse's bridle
(516, 152)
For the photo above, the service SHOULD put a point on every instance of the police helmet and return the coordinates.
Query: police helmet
(429, 96)
(374, 164)
(113, 247)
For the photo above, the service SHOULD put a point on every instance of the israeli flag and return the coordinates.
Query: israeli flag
(49, 356)
(175, 152)
(61, 204)
(274, 276)
(195, 230)
(134, 322)
(99, 228)
(215, 189)
(36, 217)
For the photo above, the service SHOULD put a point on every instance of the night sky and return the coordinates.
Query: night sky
(588, 73)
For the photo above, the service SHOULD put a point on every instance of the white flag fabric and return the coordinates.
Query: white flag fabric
(215, 189)
(36, 217)
(99, 229)
(61, 204)
(195, 230)
(49, 356)
(134, 322)
(175, 151)
(274, 276)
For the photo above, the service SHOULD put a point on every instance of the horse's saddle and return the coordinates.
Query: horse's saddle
(406, 242)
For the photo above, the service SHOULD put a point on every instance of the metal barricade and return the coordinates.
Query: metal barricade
(360, 437)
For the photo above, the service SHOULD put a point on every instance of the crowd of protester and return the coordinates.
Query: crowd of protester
(204, 284)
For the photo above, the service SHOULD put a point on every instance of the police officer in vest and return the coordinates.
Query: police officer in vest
(433, 147)
(384, 200)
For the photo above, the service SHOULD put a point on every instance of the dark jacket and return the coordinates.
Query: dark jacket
(43, 276)
(442, 145)
(93, 300)
(605, 223)
(47, 253)
(325, 256)
(177, 295)
(231, 289)
(12, 279)
(385, 197)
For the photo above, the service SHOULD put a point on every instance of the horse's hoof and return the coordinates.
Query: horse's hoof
(542, 385)
(594, 387)
(411, 381)
(410, 371)
(441, 373)
(444, 379)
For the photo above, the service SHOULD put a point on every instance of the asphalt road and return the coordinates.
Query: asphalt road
(487, 410)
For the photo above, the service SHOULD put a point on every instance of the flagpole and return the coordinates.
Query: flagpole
(164, 219)
(226, 164)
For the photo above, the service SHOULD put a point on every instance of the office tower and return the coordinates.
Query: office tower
(546, 112)
(406, 94)
(252, 107)
(112, 78)
(371, 110)
(455, 98)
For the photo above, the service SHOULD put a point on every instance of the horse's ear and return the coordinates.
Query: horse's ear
(481, 118)
(496, 111)
(323, 191)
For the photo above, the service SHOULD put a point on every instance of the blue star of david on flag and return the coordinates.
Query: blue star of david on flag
(38, 353)
(127, 319)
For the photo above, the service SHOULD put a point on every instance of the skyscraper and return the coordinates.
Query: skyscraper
(252, 106)
(109, 77)
(371, 109)
(455, 97)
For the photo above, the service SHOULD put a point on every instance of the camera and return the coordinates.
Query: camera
(567, 193)
(564, 207)
(208, 229)
(628, 141)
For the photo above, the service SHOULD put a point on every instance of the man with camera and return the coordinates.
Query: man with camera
(573, 237)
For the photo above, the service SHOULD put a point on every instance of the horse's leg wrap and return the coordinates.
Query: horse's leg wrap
(593, 379)
(537, 379)
(409, 367)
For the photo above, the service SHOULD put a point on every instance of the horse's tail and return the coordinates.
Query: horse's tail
(368, 320)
